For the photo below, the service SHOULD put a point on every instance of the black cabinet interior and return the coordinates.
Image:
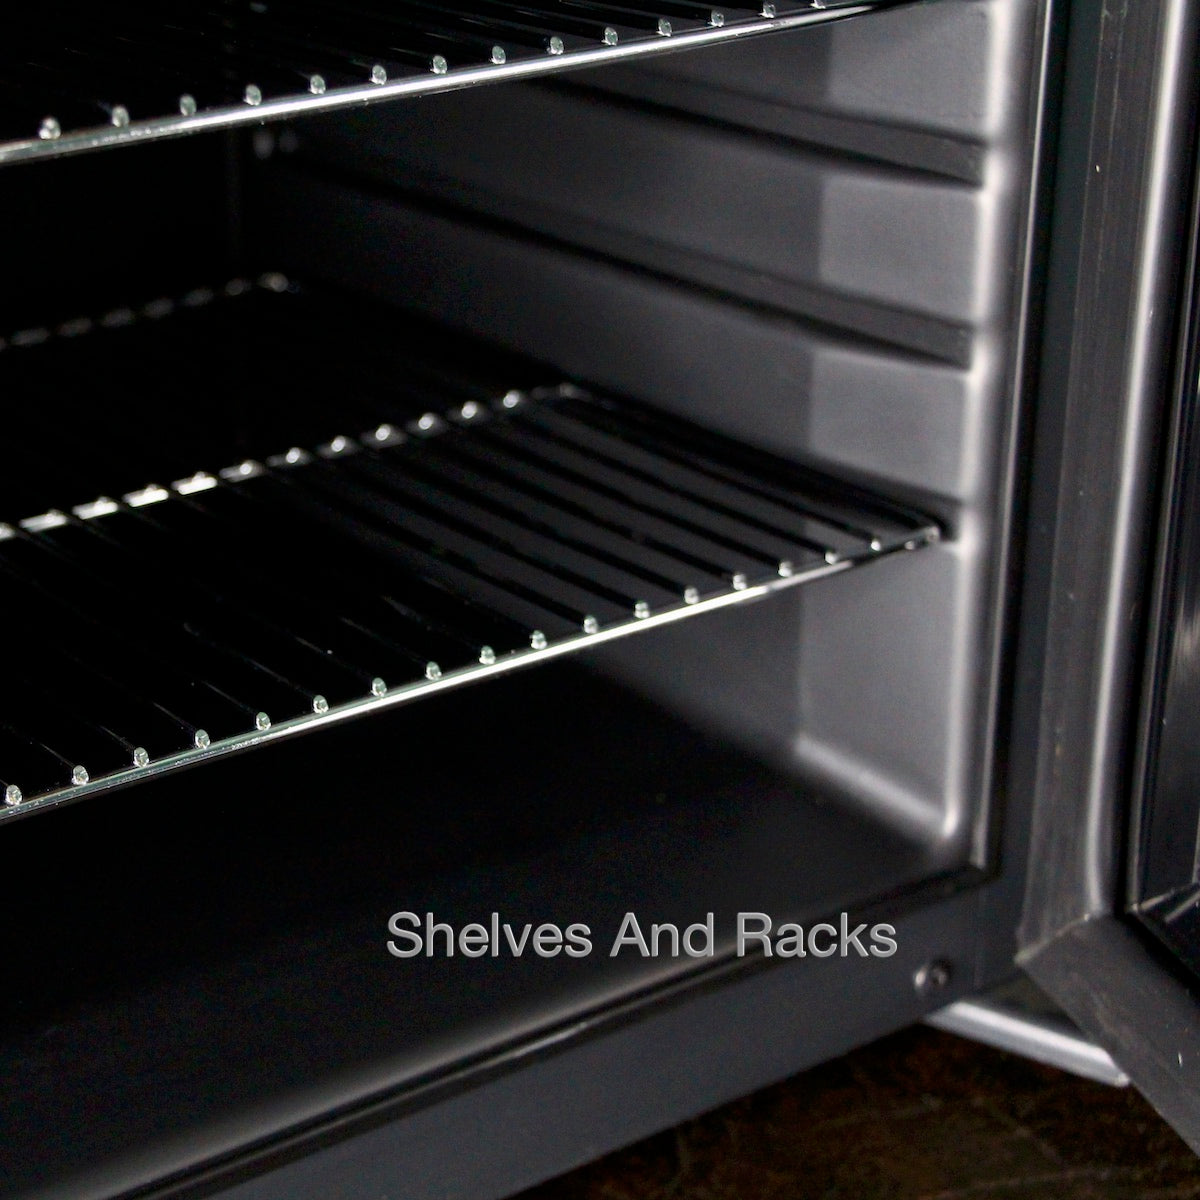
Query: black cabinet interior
(185, 989)
(787, 248)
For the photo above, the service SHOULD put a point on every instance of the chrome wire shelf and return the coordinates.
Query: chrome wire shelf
(78, 76)
(470, 530)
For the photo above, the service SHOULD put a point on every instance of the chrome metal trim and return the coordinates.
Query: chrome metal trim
(157, 128)
(1045, 1039)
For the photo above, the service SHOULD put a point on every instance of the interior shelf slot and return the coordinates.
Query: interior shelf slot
(454, 529)
(77, 77)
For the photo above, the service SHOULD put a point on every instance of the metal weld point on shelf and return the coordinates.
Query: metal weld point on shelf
(378, 75)
(150, 494)
(610, 36)
(202, 481)
(54, 519)
(568, 391)
(187, 105)
(641, 610)
(739, 582)
(102, 506)
(12, 795)
(555, 45)
(378, 687)
(433, 671)
(786, 569)
(262, 722)
(320, 705)
(591, 625)
(487, 656)
(30, 337)
(198, 297)
(499, 57)
(201, 740)
(118, 318)
(247, 469)
(141, 757)
(537, 640)
(79, 776)
(691, 595)
(664, 27)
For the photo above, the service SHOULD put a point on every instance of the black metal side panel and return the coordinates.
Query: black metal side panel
(1107, 387)
(817, 244)
(1164, 876)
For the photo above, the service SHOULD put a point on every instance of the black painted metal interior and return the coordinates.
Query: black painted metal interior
(199, 962)
(209, 963)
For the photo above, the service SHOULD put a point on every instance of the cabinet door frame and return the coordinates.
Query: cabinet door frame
(1111, 391)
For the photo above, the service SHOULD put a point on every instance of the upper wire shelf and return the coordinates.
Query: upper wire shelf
(454, 529)
(78, 76)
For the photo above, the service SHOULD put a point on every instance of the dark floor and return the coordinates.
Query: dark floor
(921, 1115)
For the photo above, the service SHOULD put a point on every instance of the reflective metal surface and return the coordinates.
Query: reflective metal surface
(124, 75)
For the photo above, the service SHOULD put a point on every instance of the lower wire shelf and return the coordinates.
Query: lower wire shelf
(494, 529)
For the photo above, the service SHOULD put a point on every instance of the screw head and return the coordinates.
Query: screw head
(933, 977)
